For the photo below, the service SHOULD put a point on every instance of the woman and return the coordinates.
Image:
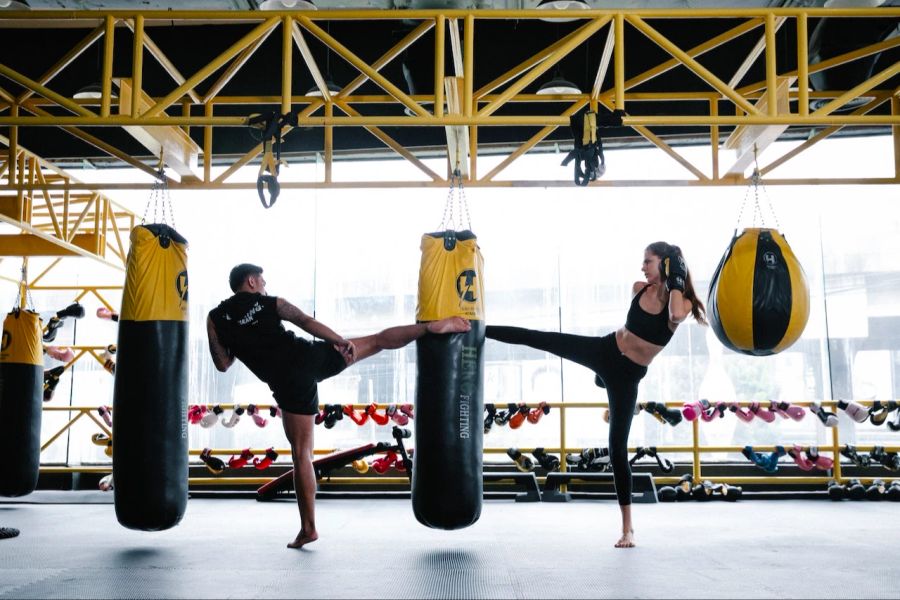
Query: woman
(620, 359)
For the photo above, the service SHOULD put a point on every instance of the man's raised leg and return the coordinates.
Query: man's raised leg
(299, 430)
(397, 337)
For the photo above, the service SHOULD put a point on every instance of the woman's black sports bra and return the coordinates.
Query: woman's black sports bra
(653, 328)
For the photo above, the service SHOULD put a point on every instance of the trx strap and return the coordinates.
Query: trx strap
(271, 125)
(588, 151)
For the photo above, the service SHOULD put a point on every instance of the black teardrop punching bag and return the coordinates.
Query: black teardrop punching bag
(150, 439)
(447, 463)
(21, 389)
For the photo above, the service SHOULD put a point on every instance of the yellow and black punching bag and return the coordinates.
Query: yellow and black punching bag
(21, 389)
(447, 463)
(758, 297)
(150, 453)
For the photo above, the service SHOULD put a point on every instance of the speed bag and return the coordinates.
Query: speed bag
(150, 438)
(21, 390)
(447, 483)
(758, 298)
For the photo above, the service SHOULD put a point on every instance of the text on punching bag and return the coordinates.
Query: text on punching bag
(468, 375)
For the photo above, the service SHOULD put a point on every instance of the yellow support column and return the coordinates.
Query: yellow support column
(771, 65)
(439, 43)
(329, 140)
(207, 143)
(802, 66)
(286, 64)
(13, 145)
(137, 66)
(619, 61)
(895, 110)
(106, 77)
(695, 435)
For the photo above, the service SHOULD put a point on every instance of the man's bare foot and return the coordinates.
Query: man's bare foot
(302, 539)
(627, 540)
(449, 325)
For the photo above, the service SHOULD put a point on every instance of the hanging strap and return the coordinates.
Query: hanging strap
(271, 124)
(590, 163)
(268, 181)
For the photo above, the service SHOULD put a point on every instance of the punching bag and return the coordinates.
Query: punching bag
(758, 298)
(447, 463)
(150, 438)
(21, 388)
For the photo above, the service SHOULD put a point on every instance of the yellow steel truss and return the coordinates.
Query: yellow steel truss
(52, 218)
(728, 103)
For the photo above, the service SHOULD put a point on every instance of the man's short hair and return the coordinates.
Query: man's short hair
(240, 273)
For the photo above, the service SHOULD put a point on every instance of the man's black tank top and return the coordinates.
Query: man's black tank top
(249, 326)
(653, 328)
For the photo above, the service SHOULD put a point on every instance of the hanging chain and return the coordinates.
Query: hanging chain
(23, 285)
(755, 184)
(765, 192)
(160, 198)
(447, 218)
(456, 193)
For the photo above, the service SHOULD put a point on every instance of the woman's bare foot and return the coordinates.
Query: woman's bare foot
(449, 325)
(302, 539)
(627, 540)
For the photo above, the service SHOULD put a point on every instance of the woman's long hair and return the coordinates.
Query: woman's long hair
(662, 250)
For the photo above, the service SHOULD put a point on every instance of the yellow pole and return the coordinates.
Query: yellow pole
(66, 194)
(771, 65)
(473, 152)
(619, 59)
(186, 112)
(802, 66)
(207, 143)
(468, 60)
(562, 438)
(895, 110)
(137, 66)
(329, 141)
(13, 144)
(286, 66)
(440, 30)
(714, 138)
(106, 76)
(695, 436)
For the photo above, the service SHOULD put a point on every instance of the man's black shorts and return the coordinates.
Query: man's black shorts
(297, 392)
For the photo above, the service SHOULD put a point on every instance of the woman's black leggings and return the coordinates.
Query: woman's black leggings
(619, 374)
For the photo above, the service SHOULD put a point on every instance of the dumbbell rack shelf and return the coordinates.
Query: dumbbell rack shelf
(695, 449)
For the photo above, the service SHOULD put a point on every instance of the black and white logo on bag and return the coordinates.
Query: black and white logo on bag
(465, 285)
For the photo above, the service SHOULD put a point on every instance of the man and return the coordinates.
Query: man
(248, 327)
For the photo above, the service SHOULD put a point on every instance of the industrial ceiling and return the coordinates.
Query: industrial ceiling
(685, 72)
